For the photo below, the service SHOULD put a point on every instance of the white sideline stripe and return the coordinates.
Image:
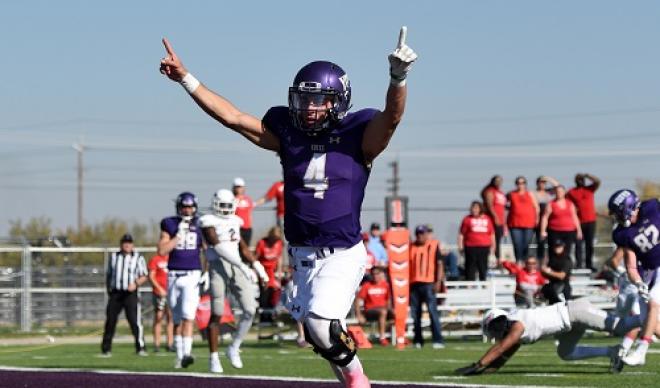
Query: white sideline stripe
(271, 378)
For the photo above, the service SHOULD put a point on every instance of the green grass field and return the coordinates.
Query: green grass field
(533, 365)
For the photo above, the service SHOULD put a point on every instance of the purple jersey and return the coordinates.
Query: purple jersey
(185, 255)
(643, 237)
(324, 179)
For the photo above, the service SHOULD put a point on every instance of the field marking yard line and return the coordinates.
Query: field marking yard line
(268, 378)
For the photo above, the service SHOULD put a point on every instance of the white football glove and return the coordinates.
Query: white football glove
(261, 271)
(204, 281)
(248, 272)
(183, 229)
(642, 290)
(401, 60)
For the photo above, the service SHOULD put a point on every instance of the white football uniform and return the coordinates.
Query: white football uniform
(627, 302)
(325, 280)
(222, 274)
(542, 321)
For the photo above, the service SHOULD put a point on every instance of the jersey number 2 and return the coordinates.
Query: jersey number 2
(647, 239)
(315, 178)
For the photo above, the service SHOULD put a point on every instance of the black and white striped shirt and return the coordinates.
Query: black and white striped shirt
(124, 269)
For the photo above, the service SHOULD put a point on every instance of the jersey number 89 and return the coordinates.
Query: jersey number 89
(190, 242)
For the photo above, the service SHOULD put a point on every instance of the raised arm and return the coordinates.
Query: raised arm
(378, 133)
(215, 105)
(595, 181)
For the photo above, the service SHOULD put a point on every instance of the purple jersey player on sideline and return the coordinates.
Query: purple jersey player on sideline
(638, 234)
(181, 239)
(326, 155)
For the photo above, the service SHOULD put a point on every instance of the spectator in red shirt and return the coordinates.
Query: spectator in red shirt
(476, 239)
(494, 201)
(269, 253)
(560, 222)
(582, 195)
(522, 219)
(244, 206)
(375, 298)
(529, 280)
(275, 192)
(158, 277)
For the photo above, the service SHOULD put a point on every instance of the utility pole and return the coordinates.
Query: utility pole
(80, 148)
(394, 188)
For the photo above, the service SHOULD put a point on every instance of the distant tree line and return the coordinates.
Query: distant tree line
(39, 231)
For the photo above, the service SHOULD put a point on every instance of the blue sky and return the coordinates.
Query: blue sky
(508, 87)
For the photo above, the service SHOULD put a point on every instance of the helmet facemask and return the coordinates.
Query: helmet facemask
(224, 203)
(312, 109)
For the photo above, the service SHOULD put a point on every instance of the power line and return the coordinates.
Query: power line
(538, 117)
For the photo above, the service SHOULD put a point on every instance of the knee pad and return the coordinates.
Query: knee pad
(565, 352)
(342, 349)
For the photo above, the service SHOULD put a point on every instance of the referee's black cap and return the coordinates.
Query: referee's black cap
(126, 238)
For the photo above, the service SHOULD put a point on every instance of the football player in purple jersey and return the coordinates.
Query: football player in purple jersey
(326, 155)
(181, 239)
(638, 234)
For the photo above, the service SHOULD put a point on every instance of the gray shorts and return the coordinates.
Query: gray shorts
(224, 278)
(159, 302)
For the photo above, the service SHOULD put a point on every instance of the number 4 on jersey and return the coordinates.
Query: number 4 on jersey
(315, 178)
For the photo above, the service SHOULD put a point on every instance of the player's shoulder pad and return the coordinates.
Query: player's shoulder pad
(208, 220)
(167, 223)
(238, 220)
(275, 118)
(362, 116)
(619, 236)
(650, 206)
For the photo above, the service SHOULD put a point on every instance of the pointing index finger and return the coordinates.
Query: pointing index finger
(402, 36)
(168, 47)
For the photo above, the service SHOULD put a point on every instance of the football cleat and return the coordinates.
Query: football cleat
(188, 360)
(177, 364)
(234, 357)
(635, 358)
(616, 359)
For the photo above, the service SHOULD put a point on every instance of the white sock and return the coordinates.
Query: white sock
(187, 345)
(215, 356)
(244, 326)
(627, 343)
(178, 345)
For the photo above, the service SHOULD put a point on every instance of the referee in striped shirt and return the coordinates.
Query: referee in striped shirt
(126, 271)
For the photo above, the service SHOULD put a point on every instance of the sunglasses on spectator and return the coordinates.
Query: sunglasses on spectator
(521, 182)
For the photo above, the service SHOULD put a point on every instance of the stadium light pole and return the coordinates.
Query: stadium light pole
(80, 148)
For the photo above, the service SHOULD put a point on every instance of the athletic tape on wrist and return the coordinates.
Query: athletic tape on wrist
(399, 82)
(190, 83)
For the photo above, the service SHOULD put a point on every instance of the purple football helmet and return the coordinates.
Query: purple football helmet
(622, 205)
(186, 199)
(319, 97)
